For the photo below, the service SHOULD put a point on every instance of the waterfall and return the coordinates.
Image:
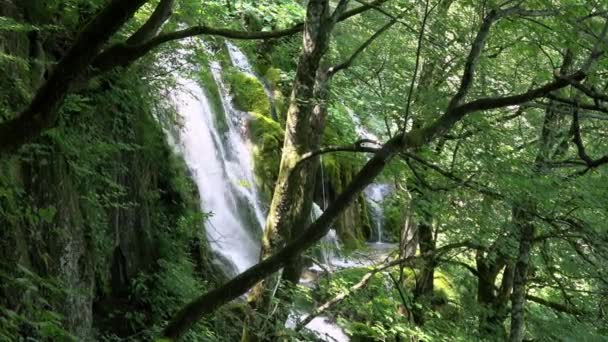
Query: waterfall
(222, 168)
(374, 193)
(374, 196)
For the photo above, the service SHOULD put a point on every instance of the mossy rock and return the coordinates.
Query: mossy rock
(273, 76)
(249, 93)
(444, 290)
(281, 104)
(267, 138)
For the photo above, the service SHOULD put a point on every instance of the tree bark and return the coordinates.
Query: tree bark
(493, 301)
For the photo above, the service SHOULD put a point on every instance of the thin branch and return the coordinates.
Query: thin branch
(340, 8)
(357, 146)
(471, 132)
(417, 64)
(586, 106)
(361, 284)
(464, 182)
(478, 45)
(400, 21)
(122, 54)
(368, 276)
(580, 147)
(468, 267)
(556, 306)
(590, 92)
(451, 117)
(472, 59)
(347, 63)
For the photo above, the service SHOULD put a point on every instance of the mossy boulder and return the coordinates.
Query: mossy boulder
(273, 76)
(249, 93)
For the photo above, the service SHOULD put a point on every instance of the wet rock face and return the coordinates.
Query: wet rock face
(58, 246)
(55, 247)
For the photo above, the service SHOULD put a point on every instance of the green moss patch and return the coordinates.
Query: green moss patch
(249, 93)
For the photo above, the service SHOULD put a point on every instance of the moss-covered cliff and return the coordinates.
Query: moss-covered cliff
(266, 134)
(353, 225)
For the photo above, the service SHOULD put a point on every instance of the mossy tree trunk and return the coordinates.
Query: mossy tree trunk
(292, 198)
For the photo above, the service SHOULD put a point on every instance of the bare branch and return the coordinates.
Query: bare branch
(586, 106)
(340, 8)
(473, 58)
(417, 64)
(580, 147)
(590, 92)
(556, 306)
(449, 118)
(436, 254)
(478, 45)
(472, 132)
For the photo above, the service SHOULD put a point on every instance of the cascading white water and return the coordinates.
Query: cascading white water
(238, 59)
(374, 196)
(240, 161)
(222, 167)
